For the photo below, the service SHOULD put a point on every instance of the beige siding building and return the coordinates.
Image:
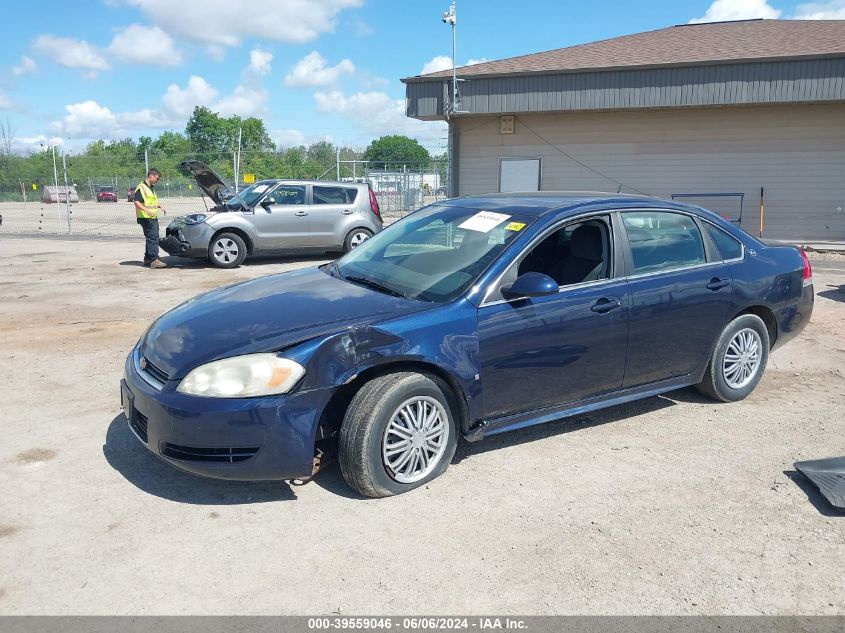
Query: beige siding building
(732, 108)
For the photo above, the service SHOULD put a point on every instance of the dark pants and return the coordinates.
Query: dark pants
(151, 234)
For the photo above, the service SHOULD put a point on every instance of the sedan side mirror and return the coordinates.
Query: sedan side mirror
(531, 284)
(267, 203)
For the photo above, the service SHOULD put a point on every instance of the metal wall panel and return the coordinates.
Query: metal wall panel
(796, 153)
(727, 84)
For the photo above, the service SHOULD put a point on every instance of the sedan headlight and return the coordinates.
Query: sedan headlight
(242, 377)
(195, 218)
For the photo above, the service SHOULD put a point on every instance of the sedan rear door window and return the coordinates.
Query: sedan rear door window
(661, 240)
(728, 246)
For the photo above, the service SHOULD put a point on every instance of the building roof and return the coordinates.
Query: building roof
(681, 45)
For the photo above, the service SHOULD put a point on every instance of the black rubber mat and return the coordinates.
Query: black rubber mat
(829, 476)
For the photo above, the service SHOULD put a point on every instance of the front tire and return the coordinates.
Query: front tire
(398, 434)
(227, 250)
(738, 361)
(355, 238)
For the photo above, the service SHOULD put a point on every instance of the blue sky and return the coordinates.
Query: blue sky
(312, 69)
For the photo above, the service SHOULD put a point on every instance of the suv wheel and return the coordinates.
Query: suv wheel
(227, 250)
(355, 238)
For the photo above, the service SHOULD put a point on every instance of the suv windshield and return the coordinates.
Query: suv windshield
(433, 254)
(251, 195)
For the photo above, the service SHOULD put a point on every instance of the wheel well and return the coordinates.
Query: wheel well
(333, 414)
(240, 233)
(768, 318)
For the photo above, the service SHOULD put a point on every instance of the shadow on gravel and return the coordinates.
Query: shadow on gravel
(182, 263)
(813, 495)
(838, 294)
(575, 423)
(143, 470)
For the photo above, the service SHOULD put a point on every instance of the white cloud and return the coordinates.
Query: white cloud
(4, 101)
(181, 101)
(377, 114)
(30, 144)
(291, 21)
(216, 52)
(362, 29)
(441, 62)
(834, 10)
(472, 62)
(311, 70)
(297, 138)
(722, 10)
(26, 67)
(72, 53)
(243, 102)
(259, 62)
(145, 45)
(288, 138)
(88, 119)
(146, 118)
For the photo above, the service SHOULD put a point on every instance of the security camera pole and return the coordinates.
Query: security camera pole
(450, 17)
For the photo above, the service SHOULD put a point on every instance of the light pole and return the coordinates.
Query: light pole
(55, 169)
(451, 17)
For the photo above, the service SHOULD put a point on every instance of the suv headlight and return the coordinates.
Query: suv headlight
(242, 377)
(195, 218)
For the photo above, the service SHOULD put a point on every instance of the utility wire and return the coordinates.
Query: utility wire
(575, 160)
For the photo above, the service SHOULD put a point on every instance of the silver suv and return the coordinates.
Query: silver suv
(272, 216)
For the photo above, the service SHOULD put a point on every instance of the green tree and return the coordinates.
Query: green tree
(388, 152)
(208, 132)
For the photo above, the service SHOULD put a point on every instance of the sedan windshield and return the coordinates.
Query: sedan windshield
(433, 254)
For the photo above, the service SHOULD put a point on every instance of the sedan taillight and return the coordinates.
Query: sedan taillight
(808, 271)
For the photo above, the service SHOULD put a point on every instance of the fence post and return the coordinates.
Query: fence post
(67, 192)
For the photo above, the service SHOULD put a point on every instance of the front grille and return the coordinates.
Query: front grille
(216, 455)
(156, 373)
(138, 423)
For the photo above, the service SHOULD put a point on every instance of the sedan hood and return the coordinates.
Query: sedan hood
(208, 181)
(263, 315)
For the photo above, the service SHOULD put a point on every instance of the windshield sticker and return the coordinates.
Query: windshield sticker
(515, 226)
(484, 222)
(260, 189)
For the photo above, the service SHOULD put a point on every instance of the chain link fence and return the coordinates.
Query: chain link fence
(92, 195)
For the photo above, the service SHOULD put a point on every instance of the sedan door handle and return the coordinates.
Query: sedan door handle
(347, 212)
(717, 283)
(301, 213)
(605, 305)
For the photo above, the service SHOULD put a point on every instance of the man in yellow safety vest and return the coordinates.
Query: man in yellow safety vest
(146, 210)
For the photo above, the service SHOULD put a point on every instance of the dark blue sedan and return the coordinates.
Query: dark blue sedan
(469, 317)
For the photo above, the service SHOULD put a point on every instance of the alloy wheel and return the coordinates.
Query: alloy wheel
(742, 358)
(415, 439)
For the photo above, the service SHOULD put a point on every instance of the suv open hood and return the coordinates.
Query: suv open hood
(208, 181)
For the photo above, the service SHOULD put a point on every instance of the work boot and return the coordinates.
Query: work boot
(157, 263)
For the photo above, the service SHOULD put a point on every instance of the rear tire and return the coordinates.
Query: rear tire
(355, 238)
(227, 250)
(398, 434)
(739, 360)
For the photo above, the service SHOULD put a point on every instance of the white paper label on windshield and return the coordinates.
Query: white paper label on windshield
(484, 222)
(260, 189)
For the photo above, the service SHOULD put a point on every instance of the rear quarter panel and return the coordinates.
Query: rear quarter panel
(773, 276)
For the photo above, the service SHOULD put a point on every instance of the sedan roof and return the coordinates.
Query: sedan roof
(540, 203)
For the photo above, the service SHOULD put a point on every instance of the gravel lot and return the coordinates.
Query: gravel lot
(673, 505)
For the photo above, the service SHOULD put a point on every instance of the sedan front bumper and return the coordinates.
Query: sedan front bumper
(253, 439)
